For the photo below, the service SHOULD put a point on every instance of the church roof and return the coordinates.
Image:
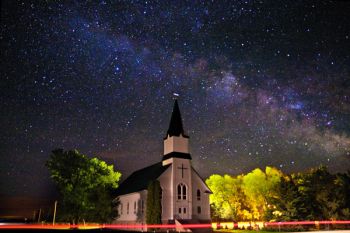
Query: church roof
(175, 126)
(140, 179)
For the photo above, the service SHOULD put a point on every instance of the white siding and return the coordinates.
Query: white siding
(186, 179)
(167, 194)
(134, 214)
(198, 184)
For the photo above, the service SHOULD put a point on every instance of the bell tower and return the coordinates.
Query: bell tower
(176, 141)
(177, 154)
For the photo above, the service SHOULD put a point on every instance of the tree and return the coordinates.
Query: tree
(341, 193)
(228, 200)
(287, 204)
(85, 186)
(219, 200)
(324, 195)
(260, 187)
(273, 196)
(154, 207)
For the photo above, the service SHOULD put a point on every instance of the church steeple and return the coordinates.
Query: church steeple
(176, 141)
(175, 126)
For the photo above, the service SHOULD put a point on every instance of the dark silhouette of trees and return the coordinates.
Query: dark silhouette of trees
(154, 208)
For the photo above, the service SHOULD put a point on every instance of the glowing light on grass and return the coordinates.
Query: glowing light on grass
(159, 226)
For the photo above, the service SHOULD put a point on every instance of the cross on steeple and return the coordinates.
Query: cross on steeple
(182, 170)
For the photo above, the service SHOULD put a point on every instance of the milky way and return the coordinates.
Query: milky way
(260, 83)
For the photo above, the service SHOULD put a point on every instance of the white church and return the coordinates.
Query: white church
(184, 196)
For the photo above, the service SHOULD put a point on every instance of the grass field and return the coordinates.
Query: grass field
(239, 231)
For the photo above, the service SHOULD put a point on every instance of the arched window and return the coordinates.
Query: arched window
(184, 193)
(181, 192)
(198, 195)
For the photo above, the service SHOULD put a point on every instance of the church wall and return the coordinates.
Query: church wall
(202, 201)
(167, 195)
(135, 213)
(186, 180)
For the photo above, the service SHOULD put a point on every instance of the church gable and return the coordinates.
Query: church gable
(200, 197)
(200, 182)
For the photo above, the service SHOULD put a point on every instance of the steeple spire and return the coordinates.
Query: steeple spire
(175, 126)
(176, 144)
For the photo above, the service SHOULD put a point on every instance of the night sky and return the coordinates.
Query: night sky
(260, 83)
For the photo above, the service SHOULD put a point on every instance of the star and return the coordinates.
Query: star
(256, 87)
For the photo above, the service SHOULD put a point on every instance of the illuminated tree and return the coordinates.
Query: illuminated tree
(270, 195)
(85, 186)
(228, 199)
(260, 187)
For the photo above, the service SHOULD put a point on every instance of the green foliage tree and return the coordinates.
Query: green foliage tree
(260, 187)
(325, 194)
(85, 186)
(270, 195)
(244, 197)
(287, 204)
(154, 208)
(342, 193)
(150, 203)
(228, 199)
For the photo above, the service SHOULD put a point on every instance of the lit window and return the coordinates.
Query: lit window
(198, 195)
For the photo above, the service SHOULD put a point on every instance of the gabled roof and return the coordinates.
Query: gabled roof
(175, 126)
(207, 191)
(140, 179)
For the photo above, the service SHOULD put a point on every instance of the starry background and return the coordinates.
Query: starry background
(260, 83)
